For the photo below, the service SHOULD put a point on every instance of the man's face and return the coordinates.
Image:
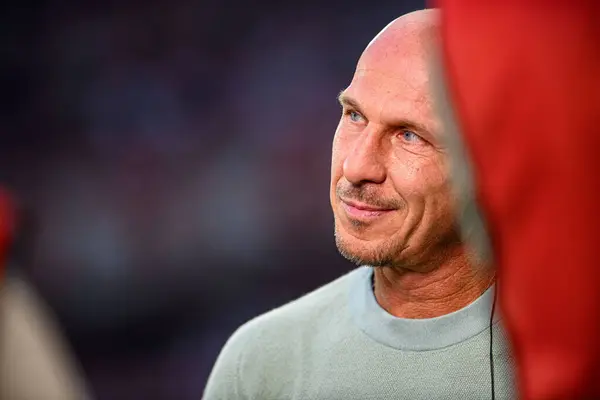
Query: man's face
(390, 192)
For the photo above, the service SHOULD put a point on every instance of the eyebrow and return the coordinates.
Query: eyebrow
(348, 102)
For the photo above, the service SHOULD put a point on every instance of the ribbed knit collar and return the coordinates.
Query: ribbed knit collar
(416, 334)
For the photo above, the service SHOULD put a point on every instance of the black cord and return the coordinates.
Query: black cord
(492, 344)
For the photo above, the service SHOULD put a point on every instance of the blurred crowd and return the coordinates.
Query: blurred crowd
(175, 159)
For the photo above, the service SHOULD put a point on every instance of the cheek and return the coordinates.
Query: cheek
(418, 178)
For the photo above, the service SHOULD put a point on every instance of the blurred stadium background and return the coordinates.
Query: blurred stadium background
(176, 157)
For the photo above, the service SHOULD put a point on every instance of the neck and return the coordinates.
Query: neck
(444, 288)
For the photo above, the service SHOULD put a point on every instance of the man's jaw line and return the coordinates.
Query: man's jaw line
(344, 236)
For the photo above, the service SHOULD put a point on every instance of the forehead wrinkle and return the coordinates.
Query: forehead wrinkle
(395, 109)
(388, 74)
(408, 96)
(411, 71)
(409, 84)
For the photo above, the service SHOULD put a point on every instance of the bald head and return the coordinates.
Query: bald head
(394, 64)
(410, 35)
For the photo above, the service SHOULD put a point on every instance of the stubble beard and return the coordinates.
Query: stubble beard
(380, 256)
(387, 253)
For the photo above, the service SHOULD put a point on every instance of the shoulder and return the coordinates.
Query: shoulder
(288, 321)
(317, 307)
(273, 342)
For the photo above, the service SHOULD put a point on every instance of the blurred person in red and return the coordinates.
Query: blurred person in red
(415, 320)
(519, 91)
(35, 363)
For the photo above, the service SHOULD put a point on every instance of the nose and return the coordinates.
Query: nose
(366, 162)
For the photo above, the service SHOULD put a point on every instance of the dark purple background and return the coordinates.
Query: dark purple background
(176, 157)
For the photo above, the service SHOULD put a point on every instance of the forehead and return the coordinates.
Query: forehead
(393, 90)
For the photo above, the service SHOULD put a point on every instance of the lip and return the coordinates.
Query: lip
(361, 210)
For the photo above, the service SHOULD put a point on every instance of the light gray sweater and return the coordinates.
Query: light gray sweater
(338, 343)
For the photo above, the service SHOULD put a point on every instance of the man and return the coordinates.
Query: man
(415, 324)
(522, 101)
(35, 363)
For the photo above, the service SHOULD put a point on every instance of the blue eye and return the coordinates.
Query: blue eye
(410, 136)
(354, 116)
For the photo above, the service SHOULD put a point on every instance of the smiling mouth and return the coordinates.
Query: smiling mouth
(359, 210)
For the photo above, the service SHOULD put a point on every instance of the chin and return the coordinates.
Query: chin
(364, 252)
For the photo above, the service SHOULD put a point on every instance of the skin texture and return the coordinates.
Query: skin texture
(390, 189)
